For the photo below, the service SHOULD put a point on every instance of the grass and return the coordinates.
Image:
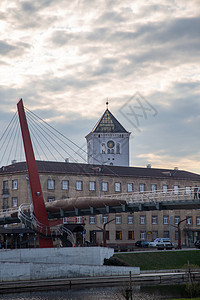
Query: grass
(198, 298)
(161, 260)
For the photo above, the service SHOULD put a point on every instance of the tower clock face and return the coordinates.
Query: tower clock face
(110, 144)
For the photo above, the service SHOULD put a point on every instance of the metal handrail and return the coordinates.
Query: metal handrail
(34, 224)
(154, 196)
(7, 212)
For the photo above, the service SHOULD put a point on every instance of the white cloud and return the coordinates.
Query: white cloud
(64, 58)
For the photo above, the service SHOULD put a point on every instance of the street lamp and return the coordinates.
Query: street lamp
(104, 231)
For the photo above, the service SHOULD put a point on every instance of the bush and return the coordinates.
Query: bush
(192, 289)
(114, 261)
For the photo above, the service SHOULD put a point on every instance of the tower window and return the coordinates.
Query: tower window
(103, 148)
(118, 148)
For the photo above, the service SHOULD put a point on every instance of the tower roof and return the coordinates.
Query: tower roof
(108, 123)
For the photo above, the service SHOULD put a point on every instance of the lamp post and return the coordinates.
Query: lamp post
(104, 231)
(179, 233)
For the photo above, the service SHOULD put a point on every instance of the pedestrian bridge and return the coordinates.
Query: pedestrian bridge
(113, 203)
(83, 206)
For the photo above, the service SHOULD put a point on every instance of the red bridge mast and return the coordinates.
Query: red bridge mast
(36, 191)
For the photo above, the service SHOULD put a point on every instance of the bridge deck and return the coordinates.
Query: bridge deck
(115, 203)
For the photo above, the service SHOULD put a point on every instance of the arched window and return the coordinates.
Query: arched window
(118, 148)
(108, 151)
(103, 148)
(112, 151)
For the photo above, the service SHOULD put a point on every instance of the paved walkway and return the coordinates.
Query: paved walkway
(145, 278)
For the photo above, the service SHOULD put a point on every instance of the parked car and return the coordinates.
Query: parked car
(142, 244)
(197, 244)
(161, 243)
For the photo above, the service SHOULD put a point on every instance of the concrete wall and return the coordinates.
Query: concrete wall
(32, 264)
(70, 256)
(30, 271)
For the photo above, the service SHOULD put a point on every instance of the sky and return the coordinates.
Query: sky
(65, 59)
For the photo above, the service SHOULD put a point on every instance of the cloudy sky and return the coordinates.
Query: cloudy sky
(66, 58)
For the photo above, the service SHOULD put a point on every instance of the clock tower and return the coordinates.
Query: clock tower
(108, 142)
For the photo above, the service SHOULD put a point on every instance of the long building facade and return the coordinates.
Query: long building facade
(107, 172)
(61, 180)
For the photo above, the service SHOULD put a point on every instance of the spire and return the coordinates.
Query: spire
(108, 123)
(107, 103)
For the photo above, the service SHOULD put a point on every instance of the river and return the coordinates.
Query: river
(103, 293)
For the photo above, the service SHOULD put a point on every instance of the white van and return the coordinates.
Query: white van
(160, 242)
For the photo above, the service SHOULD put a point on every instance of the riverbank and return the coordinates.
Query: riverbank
(145, 278)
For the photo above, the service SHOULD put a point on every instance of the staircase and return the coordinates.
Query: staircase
(26, 216)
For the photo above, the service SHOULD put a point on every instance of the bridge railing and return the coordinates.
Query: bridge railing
(8, 212)
(156, 196)
(26, 215)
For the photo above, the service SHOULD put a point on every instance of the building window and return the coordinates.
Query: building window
(130, 235)
(165, 188)
(187, 190)
(143, 235)
(92, 186)
(118, 219)
(198, 220)
(104, 219)
(14, 201)
(166, 234)
(92, 219)
(104, 186)
(130, 187)
(5, 187)
(153, 188)
(118, 235)
(117, 187)
(51, 184)
(103, 148)
(107, 235)
(142, 187)
(176, 220)
(118, 148)
(154, 235)
(65, 185)
(189, 220)
(154, 220)
(176, 235)
(142, 220)
(79, 220)
(14, 184)
(51, 199)
(130, 219)
(166, 220)
(79, 185)
(176, 189)
(5, 203)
